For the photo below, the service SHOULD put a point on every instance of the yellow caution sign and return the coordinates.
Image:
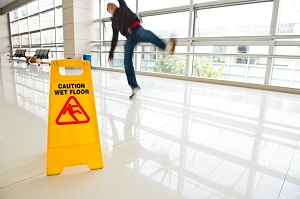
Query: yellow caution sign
(73, 136)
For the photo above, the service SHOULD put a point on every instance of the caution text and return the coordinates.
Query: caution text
(75, 89)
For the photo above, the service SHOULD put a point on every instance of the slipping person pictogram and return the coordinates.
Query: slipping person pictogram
(69, 108)
(73, 108)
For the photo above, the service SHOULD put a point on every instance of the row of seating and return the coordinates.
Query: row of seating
(39, 54)
(18, 54)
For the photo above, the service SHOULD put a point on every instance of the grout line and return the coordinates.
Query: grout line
(21, 181)
(288, 168)
(202, 188)
(19, 122)
(149, 132)
(115, 145)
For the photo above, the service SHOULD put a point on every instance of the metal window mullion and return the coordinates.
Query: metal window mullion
(106, 19)
(226, 3)
(55, 28)
(9, 29)
(189, 60)
(137, 7)
(273, 30)
(102, 33)
(293, 71)
(287, 43)
(137, 58)
(40, 28)
(233, 43)
(248, 68)
(164, 11)
(29, 39)
(100, 30)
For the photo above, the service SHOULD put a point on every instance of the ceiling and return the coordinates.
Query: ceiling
(9, 5)
(4, 3)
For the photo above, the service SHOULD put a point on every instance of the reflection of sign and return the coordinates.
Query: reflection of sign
(72, 113)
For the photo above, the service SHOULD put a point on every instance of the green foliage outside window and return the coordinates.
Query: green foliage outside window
(170, 64)
(204, 68)
(177, 65)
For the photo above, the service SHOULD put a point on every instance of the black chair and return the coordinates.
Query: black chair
(14, 55)
(18, 54)
(37, 54)
(45, 54)
(22, 54)
(40, 54)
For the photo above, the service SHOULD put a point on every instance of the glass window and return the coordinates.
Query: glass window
(171, 65)
(177, 24)
(282, 73)
(148, 60)
(246, 69)
(48, 36)
(15, 40)
(96, 60)
(22, 12)
(52, 53)
(34, 23)
(59, 35)
(203, 66)
(46, 4)
(286, 72)
(58, 17)
(36, 38)
(28, 27)
(58, 2)
(32, 51)
(33, 8)
(108, 32)
(157, 63)
(97, 31)
(287, 50)
(13, 15)
(234, 20)
(118, 57)
(14, 28)
(47, 19)
(23, 25)
(96, 57)
(146, 5)
(289, 17)
(25, 39)
(60, 53)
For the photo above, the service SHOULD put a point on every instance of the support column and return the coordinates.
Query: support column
(4, 37)
(78, 27)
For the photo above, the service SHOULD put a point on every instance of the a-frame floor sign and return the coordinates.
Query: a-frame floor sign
(73, 135)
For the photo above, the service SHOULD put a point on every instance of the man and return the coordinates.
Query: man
(128, 24)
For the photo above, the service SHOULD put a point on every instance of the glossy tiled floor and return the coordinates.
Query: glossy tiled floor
(177, 139)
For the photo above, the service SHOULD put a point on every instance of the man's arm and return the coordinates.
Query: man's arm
(122, 3)
(113, 45)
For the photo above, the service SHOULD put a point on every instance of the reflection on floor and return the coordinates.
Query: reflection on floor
(176, 139)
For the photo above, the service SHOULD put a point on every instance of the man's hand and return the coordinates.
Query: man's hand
(110, 60)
